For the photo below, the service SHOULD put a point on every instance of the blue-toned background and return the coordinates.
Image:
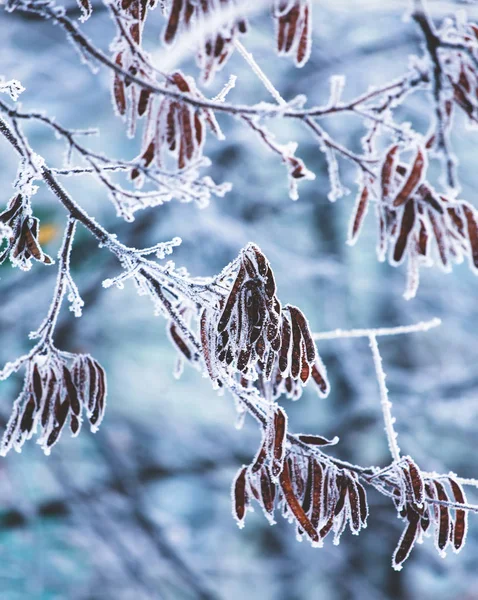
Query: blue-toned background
(142, 509)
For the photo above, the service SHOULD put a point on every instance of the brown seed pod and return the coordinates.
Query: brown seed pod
(388, 171)
(316, 494)
(119, 88)
(12, 211)
(51, 390)
(342, 486)
(317, 440)
(443, 532)
(307, 497)
(440, 238)
(205, 342)
(260, 458)
(143, 101)
(406, 226)
(461, 518)
(71, 391)
(407, 541)
(173, 22)
(472, 227)
(226, 314)
(37, 386)
(240, 496)
(320, 378)
(178, 341)
(93, 383)
(280, 430)
(100, 397)
(61, 412)
(294, 505)
(359, 214)
(418, 486)
(267, 490)
(413, 180)
(26, 424)
(303, 47)
(354, 504)
(296, 358)
(363, 503)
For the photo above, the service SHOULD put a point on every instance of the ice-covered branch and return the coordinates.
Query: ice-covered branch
(384, 401)
(380, 331)
(64, 280)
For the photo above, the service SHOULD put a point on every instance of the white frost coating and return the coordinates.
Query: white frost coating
(12, 87)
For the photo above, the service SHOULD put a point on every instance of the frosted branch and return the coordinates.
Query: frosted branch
(384, 401)
(381, 331)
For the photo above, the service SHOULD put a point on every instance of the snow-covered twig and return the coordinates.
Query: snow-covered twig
(384, 401)
(380, 331)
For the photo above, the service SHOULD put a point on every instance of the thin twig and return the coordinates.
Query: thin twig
(381, 331)
(384, 401)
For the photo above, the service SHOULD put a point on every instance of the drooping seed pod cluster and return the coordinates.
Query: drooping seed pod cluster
(254, 336)
(415, 221)
(414, 494)
(22, 239)
(298, 358)
(215, 35)
(56, 389)
(293, 29)
(461, 72)
(130, 100)
(314, 494)
(175, 130)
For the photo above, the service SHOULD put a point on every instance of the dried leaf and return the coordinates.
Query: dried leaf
(445, 522)
(413, 180)
(359, 214)
(240, 495)
(388, 171)
(472, 226)
(461, 519)
(317, 440)
(294, 505)
(406, 226)
(406, 543)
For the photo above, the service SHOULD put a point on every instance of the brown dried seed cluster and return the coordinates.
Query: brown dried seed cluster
(412, 215)
(293, 29)
(412, 499)
(131, 100)
(254, 335)
(214, 47)
(316, 495)
(176, 129)
(298, 360)
(52, 392)
(23, 244)
(463, 78)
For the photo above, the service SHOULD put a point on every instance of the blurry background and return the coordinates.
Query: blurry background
(142, 509)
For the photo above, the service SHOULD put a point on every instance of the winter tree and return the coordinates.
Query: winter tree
(304, 164)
